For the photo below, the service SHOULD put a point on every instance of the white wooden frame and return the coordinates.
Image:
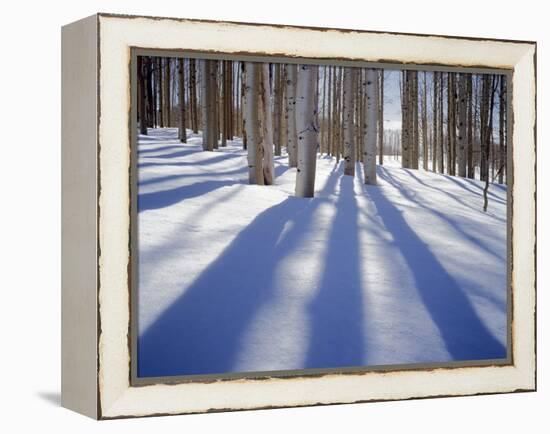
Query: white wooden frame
(96, 215)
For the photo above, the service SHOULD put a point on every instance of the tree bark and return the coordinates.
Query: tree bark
(470, 139)
(277, 106)
(307, 128)
(181, 94)
(462, 124)
(290, 115)
(141, 96)
(372, 110)
(267, 125)
(414, 111)
(381, 119)
(208, 99)
(349, 137)
(435, 123)
(405, 121)
(252, 123)
(502, 129)
(166, 93)
(450, 131)
(425, 123)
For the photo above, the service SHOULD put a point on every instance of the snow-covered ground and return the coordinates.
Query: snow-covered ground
(238, 278)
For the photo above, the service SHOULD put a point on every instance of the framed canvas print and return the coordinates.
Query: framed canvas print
(260, 216)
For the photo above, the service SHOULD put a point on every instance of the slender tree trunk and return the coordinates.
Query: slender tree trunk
(223, 118)
(450, 130)
(441, 134)
(470, 139)
(306, 115)
(243, 104)
(414, 104)
(484, 131)
(372, 109)
(435, 132)
(208, 98)
(290, 114)
(462, 124)
(193, 95)
(277, 103)
(329, 110)
(213, 83)
(141, 96)
(166, 99)
(349, 137)
(502, 129)
(425, 123)
(267, 126)
(252, 122)
(488, 135)
(381, 119)
(181, 93)
(405, 121)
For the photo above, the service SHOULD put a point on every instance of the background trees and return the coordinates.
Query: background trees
(448, 122)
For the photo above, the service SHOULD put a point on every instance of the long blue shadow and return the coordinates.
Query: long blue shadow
(336, 313)
(479, 193)
(465, 335)
(408, 194)
(146, 150)
(279, 170)
(452, 196)
(164, 198)
(201, 332)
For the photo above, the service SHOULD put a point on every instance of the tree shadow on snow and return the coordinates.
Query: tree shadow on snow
(464, 334)
(408, 194)
(201, 332)
(336, 313)
(165, 198)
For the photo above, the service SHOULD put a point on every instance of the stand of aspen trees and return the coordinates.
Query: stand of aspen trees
(448, 119)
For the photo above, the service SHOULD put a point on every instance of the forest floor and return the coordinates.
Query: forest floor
(239, 278)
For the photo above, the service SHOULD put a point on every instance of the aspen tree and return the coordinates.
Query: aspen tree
(252, 123)
(349, 137)
(381, 119)
(369, 145)
(141, 96)
(451, 126)
(502, 128)
(166, 93)
(405, 120)
(414, 119)
(440, 123)
(470, 139)
(462, 124)
(267, 125)
(290, 114)
(277, 105)
(424, 123)
(435, 123)
(214, 106)
(307, 129)
(181, 94)
(207, 109)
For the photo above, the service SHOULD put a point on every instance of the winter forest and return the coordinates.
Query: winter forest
(298, 216)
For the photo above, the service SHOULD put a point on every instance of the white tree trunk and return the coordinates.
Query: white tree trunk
(462, 124)
(267, 126)
(369, 146)
(306, 115)
(290, 117)
(348, 109)
(206, 91)
(252, 123)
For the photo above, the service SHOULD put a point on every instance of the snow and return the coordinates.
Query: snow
(243, 278)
